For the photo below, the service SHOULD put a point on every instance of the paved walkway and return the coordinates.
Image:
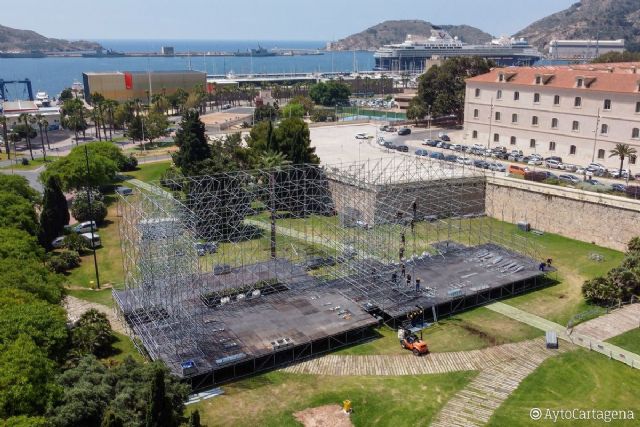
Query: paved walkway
(475, 404)
(615, 323)
(76, 307)
(408, 364)
(575, 337)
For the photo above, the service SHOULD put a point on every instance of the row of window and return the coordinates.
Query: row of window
(552, 145)
(577, 101)
(555, 123)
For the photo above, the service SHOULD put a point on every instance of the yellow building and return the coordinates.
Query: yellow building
(131, 85)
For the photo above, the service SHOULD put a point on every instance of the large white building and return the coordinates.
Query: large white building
(578, 113)
(583, 49)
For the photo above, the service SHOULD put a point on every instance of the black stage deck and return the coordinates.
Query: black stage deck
(309, 316)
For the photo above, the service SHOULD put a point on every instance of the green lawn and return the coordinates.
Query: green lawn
(123, 348)
(629, 340)
(149, 172)
(271, 399)
(102, 296)
(33, 164)
(471, 330)
(109, 256)
(577, 379)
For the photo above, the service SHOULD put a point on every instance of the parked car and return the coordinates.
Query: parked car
(124, 191)
(456, 147)
(570, 179)
(518, 170)
(93, 239)
(480, 164)
(203, 249)
(402, 148)
(430, 142)
(436, 155)
(570, 168)
(619, 187)
(404, 131)
(534, 162)
(592, 182)
(554, 164)
(58, 242)
(422, 152)
(83, 227)
(451, 158)
(446, 145)
(361, 136)
(497, 167)
(556, 158)
(445, 137)
(464, 161)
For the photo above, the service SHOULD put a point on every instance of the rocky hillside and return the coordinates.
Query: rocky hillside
(608, 19)
(397, 31)
(12, 40)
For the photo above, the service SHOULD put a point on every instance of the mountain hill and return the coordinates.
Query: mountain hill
(13, 40)
(396, 32)
(589, 19)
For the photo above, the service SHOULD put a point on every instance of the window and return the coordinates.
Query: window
(532, 143)
(577, 102)
(534, 121)
(554, 123)
(536, 98)
(579, 82)
(572, 149)
(552, 146)
(514, 118)
(501, 77)
(499, 94)
(516, 96)
(513, 140)
(498, 116)
(556, 100)
(496, 137)
(635, 133)
(538, 80)
(607, 104)
(476, 113)
(601, 153)
(604, 129)
(632, 160)
(477, 92)
(474, 135)
(575, 126)
(637, 107)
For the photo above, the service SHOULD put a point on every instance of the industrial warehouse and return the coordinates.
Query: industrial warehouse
(232, 274)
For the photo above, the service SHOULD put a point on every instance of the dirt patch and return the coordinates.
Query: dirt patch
(324, 416)
(76, 307)
(489, 339)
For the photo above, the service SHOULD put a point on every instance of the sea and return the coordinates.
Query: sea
(52, 75)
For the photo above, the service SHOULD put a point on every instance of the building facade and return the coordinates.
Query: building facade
(578, 113)
(131, 85)
(583, 49)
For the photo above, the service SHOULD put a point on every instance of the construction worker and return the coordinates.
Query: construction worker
(417, 285)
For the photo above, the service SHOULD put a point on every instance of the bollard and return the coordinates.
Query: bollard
(346, 407)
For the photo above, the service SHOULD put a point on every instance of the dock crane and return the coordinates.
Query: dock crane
(4, 83)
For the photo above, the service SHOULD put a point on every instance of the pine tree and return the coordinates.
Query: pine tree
(55, 212)
(194, 419)
(110, 419)
(192, 143)
(159, 413)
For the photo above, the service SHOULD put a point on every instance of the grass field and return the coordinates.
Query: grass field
(629, 340)
(33, 164)
(123, 348)
(272, 398)
(149, 172)
(577, 379)
(109, 256)
(102, 296)
(471, 330)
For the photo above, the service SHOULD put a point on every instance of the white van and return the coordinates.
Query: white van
(93, 240)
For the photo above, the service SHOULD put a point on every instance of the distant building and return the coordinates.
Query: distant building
(404, 99)
(167, 51)
(578, 113)
(130, 85)
(13, 109)
(583, 49)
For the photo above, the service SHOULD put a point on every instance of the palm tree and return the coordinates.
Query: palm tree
(5, 136)
(622, 151)
(39, 118)
(45, 125)
(274, 162)
(26, 120)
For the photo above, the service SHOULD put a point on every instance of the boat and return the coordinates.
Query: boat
(414, 52)
(256, 53)
(42, 100)
(101, 53)
(23, 54)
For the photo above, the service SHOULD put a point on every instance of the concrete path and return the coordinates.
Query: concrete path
(615, 323)
(575, 337)
(408, 364)
(76, 307)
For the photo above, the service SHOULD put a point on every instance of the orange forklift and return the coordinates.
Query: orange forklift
(410, 341)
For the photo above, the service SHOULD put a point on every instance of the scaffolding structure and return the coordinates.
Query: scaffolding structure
(202, 253)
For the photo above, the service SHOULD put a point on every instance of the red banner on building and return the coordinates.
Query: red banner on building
(128, 81)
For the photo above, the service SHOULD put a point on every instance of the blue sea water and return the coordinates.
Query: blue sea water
(54, 74)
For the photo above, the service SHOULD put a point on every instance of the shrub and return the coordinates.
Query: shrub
(552, 181)
(83, 212)
(24, 161)
(75, 243)
(130, 163)
(634, 245)
(64, 261)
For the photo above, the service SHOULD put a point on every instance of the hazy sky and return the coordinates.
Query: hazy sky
(260, 19)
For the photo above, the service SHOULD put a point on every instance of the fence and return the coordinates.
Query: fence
(609, 350)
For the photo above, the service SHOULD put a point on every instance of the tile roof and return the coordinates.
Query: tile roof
(621, 78)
